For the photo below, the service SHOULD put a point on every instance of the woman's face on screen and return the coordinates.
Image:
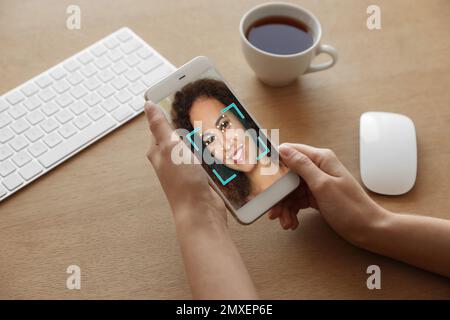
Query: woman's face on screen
(224, 134)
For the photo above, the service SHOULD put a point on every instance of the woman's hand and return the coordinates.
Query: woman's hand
(214, 267)
(418, 240)
(328, 187)
(186, 186)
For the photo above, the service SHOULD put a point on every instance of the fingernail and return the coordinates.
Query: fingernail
(148, 104)
(285, 150)
(149, 107)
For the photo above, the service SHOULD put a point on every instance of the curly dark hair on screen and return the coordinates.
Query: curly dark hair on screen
(237, 190)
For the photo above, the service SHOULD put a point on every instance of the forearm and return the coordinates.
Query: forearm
(418, 240)
(214, 267)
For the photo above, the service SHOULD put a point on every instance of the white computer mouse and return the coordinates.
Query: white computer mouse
(388, 152)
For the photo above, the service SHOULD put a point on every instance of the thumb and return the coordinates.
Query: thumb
(301, 164)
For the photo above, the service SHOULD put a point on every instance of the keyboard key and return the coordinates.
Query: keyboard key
(5, 152)
(72, 65)
(32, 103)
(132, 75)
(137, 88)
(132, 60)
(35, 117)
(99, 50)
(64, 100)
(5, 135)
(37, 149)
(17, 111)
(49, 125)
(30, 170)
(6, 168)
(106, 91)
(95, 113)
(106, 75)
(92, 83)
(50, 108)
(18, 143)
(78, 92)
(81, 122)
(144, 53)
(123, 96)
(52, 140)
(58, 73)
(92, 99)
(34, 134)
(119, 83)
(150, 64)
(124, 35)
(111, 43)
(67, 130)
(21, 158)
(14, 97)
(115, 55)
(44, 81)
(110, 104)
(20, 126)
(89, 70)
(122, 113)
(29, 89)
(47, 94)
(85, 57)
(64, 116)
(5, 119)
(12, 181)
(78, 107)
(119, 68)
(76, 142)
(75, 78)
(130, 46)
(3, 105)
(138, 103)
(102, 63)
(2, 191)
(61, 86)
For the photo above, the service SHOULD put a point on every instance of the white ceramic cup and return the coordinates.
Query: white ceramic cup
(277, 69)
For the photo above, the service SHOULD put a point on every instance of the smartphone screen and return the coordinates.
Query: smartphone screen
(223, 137)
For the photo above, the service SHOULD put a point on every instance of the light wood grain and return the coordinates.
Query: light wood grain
(105, 211)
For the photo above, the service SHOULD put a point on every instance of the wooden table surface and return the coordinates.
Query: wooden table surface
(104, 209)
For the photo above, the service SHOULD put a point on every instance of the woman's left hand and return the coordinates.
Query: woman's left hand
(186, 186)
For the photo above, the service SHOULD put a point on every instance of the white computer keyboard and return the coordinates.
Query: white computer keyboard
(68, 107)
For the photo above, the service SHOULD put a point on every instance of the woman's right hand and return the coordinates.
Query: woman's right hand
(331, 189)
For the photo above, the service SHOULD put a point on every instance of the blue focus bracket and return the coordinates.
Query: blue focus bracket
(233, 105)
(265, 151)
(188, 136)
(224, 182)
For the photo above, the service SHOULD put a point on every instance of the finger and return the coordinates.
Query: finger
(302, 165)
(325, 159)
(294, 219)
(159, 126)
(275, 211)
(153, 155)
(286, 218)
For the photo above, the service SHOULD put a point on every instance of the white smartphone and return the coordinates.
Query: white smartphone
(242, 164)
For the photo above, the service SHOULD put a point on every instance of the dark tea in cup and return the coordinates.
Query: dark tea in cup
(280, 35)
